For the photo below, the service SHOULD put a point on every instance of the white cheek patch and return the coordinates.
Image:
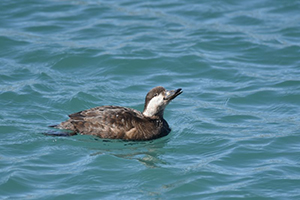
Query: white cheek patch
(154, 105)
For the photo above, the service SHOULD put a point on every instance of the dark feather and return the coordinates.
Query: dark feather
(115, 122)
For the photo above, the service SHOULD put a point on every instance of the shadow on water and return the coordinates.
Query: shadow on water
(146, 152)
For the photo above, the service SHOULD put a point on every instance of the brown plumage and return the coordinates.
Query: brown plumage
(115, 122)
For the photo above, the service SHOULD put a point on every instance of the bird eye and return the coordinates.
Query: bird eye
(156, 94)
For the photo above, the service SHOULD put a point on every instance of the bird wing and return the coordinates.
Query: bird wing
(107, 122)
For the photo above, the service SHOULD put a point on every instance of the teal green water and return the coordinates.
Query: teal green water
(235, 129)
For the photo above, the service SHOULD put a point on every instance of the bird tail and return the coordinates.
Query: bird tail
(54, 126)
(64, 125)
(59, 133)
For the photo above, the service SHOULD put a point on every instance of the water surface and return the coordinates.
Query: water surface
(235, 129)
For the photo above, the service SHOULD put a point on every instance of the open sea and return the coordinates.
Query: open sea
(235, 129)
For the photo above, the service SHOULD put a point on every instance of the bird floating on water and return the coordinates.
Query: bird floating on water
(116, 122)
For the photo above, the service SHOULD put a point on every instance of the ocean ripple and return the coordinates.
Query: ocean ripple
(235, 129)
